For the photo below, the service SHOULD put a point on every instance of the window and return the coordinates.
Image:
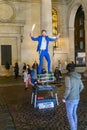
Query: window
(6, 55)
(79, 38)
(54, 22)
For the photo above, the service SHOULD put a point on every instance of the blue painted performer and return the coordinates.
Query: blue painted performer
(43, 41)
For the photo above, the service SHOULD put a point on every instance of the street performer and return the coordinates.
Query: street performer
(43, 41)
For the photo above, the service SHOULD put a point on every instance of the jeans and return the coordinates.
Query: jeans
(43, 54)
(71, 109)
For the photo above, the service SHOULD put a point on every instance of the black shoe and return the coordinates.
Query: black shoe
(26, 88)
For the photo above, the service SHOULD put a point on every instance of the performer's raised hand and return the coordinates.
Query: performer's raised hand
(33, 27)
(63, 100)
(58, 35)
(31, 34)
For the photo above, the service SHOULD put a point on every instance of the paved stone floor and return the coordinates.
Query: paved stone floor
(17, 113)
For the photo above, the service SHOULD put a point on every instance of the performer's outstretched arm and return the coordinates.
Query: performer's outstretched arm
(32, 37)
(55, 38)
(58, 36)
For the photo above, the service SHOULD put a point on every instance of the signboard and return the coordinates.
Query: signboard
(81, 58)
(46, 105)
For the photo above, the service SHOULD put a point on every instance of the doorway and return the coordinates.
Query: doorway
(80, 55)
(6, 54)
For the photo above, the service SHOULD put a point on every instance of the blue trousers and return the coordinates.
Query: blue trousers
(42, 55)
(71, 109)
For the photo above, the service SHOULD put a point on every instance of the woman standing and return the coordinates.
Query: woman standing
(71, 96)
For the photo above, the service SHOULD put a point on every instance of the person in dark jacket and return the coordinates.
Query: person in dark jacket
(16, 70)
(7, 66)
(24, 67)
(57, 75)
(71, 96)
(43, 42)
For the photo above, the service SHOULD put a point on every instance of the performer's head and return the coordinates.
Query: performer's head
(43, 32)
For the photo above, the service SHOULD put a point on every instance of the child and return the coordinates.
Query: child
(27, 79)
(34, 75)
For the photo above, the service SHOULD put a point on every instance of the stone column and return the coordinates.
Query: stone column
(19, 53)
(46, 23)
(46, 16)
(86, 40)
(85, 73)
(71, 44)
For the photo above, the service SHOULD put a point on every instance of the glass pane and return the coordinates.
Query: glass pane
(81, 44)
(6, 55)
(81, 21)
(81, 33)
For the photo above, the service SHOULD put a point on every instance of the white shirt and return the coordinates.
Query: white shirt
(25, 76)
(43, 44)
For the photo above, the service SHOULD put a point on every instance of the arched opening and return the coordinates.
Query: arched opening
(79, 38)
(72, 53)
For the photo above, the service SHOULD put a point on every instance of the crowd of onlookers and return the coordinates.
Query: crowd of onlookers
(58, 70)
(30, 74)
(15, 69)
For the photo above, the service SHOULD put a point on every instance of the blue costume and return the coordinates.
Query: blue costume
(43, 53)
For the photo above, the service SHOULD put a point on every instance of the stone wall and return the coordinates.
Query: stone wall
(16, 20)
